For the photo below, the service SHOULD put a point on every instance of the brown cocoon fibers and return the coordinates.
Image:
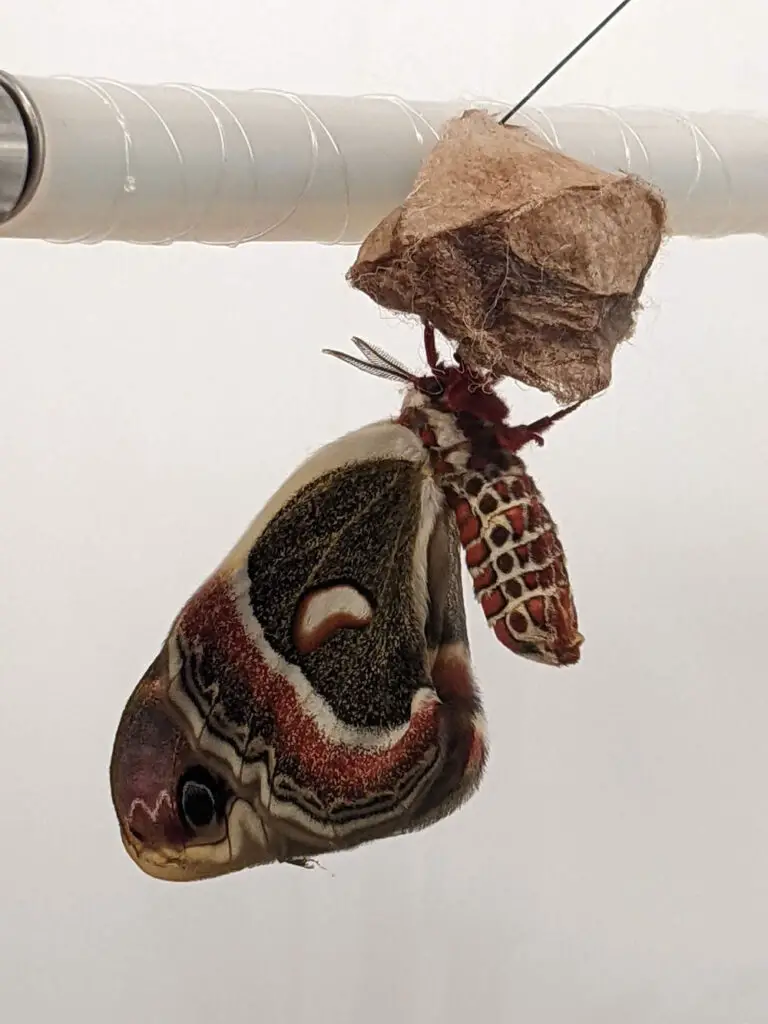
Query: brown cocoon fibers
(531, 262)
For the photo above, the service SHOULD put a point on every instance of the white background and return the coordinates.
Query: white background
(614, 866)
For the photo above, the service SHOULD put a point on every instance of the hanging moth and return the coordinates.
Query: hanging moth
(511, 545)
(316, 692)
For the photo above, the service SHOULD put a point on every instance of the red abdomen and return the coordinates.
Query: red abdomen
(510, 541)
(517, 562)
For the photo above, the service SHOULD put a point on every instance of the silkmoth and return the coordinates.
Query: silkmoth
(316, 692)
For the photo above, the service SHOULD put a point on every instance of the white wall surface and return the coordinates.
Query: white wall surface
(613, 868)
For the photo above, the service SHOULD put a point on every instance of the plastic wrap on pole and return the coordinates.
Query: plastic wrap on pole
(158, 164)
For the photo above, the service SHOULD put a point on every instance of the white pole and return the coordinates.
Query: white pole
(104, 160)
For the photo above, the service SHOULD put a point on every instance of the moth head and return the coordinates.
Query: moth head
(173, 810)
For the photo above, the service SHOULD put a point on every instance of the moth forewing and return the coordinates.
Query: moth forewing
(320, 676)
(383, 439)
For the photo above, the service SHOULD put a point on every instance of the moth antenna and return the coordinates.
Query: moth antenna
(361, 364)
(381, 358)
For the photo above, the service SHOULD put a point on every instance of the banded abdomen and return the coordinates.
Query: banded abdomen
(511, 545)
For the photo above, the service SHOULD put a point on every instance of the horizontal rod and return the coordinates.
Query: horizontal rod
(91, 160)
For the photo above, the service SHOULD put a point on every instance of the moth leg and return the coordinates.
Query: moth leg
(308, 863)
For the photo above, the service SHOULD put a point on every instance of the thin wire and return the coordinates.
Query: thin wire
(564, 61)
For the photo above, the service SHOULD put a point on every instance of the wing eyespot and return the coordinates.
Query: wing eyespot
(325, 610)
(201, 799)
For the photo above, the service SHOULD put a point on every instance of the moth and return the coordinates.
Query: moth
(316, 692)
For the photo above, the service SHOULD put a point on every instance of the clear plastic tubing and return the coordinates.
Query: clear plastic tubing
(90, 160)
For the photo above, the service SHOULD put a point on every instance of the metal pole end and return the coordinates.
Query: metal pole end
(21, 147)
